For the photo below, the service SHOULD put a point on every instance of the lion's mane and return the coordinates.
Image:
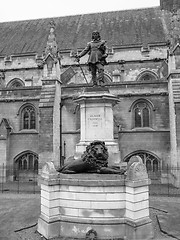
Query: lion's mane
(89, 155)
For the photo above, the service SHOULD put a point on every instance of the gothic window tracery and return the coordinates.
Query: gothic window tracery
(147, 75)
(15, 83)
(151, 162)
(27, 161)
(141, 115)
(28, 117)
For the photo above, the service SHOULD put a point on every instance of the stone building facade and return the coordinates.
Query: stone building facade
(39, 79)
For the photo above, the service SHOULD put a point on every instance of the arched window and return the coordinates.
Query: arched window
(28, 117)
(147, 75)
(151, 162)
(27, 161)
(141, 115)
(15, 83)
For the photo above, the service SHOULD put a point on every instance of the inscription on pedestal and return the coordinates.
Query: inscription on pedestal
(95, 121)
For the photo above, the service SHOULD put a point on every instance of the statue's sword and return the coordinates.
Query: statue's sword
(82, 70)
(78, 60)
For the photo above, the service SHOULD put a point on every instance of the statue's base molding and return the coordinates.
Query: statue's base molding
(77, 230)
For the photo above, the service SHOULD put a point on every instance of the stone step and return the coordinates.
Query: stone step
(176, 90)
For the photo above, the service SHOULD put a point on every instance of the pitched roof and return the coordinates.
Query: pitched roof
(118, 28)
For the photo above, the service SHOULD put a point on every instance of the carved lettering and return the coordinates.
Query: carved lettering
(95, 120)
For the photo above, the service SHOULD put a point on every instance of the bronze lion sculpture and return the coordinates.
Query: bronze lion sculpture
(94, 160)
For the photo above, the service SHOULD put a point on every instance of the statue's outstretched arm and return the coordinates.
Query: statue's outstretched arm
(86, 50)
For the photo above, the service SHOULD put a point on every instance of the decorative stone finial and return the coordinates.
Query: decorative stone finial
(51, 46)
(2, 79)
(136, 170)
(49, 171)
(51, 56)
(133, 159)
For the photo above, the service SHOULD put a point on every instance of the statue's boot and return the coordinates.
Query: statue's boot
(101, 77)
(94, 81)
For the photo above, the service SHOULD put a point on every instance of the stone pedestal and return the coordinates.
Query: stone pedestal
(97, 122)
(111, 206)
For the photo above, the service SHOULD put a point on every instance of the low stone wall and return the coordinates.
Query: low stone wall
(110, 206)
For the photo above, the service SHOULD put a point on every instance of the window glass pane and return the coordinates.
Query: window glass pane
(32, 120)
(20, 164)
(137, 117)
(145, 117)
(16, 85)
(26, 120)
(36, 164)
(147, 77)
(30, 162)
(148, 165)
(25, 165)
(155, 165)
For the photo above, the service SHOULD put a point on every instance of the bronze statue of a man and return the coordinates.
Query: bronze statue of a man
(97, 57)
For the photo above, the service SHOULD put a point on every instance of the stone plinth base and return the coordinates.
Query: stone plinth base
(114, 206)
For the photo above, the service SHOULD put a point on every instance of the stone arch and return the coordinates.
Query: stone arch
(15, 83)
(26, 165)
(107, 78)
(147, 75)
(142, 100)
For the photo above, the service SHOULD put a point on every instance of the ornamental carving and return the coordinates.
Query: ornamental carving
(137, 171)
(2, 77)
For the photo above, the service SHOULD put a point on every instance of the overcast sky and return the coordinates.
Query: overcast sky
(13, 10)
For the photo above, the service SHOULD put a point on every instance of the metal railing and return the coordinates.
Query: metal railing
(18, 181)
(164, 181)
